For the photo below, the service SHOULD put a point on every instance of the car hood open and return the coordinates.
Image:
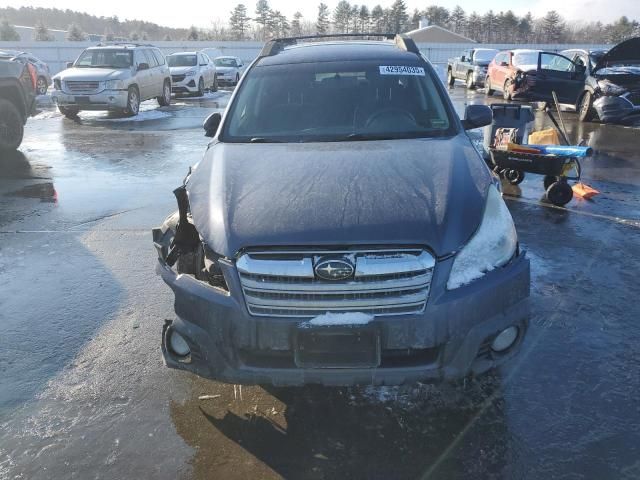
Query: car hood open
(394, 192)
(629, 50)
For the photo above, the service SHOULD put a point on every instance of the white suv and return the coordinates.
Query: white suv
(113, 77)
(192, 72)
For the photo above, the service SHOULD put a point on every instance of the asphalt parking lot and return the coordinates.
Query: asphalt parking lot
(84, 393)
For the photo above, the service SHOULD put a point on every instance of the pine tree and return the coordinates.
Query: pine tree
(239, 22)
(552, 27)
(414, 23)
(437, 16)
(474, 27)
(377, 19)
(135, 37)
(42, 33)
(193, 34)
(7, 32)
(363, 19)
(342, 16)
(296, 24)
(525, 29)
(398, 16)
(263, 16)
(355, 19)
(457, 19)
(75, 34)
(322, 23)
(489, 21)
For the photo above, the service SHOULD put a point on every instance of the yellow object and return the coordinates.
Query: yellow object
(544, 137)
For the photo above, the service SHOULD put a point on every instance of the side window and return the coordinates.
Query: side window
(138, 57)
(151, 59)
(557, 63)
(159, 57)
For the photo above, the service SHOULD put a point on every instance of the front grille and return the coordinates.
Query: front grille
(82, 87)
(385, 282)
(178, 78)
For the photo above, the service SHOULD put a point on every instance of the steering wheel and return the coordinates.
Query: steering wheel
(394, 113)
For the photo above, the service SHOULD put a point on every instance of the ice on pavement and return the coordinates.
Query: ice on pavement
(351, 318)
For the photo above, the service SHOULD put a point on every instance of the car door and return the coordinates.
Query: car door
(556, 73)
(211, 67)
(500, 73)
(156, 79)
(143, 77)
(204, 70)
(461, 65)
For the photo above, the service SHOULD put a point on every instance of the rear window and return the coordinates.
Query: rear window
(338, 102)
(182, 60)
(225, 62)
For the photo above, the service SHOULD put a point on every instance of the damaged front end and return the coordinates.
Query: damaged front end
(186, 263)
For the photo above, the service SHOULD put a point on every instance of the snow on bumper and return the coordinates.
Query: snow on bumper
(448, 340)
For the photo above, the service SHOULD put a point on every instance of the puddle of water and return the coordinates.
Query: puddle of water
(46, 192)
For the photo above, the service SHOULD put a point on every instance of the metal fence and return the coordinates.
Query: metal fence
(57, 54)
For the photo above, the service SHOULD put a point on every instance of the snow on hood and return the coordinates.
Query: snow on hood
(527, 68)
(93, 74)
(403, 192)
(350, 318)
(629, 50)
(629, 70)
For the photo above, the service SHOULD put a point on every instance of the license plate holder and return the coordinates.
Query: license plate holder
(337, 347)
(82, 100)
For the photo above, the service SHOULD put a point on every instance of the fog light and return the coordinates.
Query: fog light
(178, 344)
(505, 339)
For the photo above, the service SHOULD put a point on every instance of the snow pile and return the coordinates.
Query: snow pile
(351, 318)
(146, 113)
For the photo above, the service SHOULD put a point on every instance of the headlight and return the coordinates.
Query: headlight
(114, 85)
(492, 246)
(609, 88)
(188, 73)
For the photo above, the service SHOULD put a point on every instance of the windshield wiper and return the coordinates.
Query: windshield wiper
(264, 140)
(354, 137)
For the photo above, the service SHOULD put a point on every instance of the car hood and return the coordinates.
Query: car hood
(397, 192)
(527, 68)
(629, 50)
(94, 74)
(181, 70)
(225, 69)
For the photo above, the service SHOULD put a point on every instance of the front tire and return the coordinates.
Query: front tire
(133, 101)
(507, 94)
(559, 193)
(200, 92)
(214, 87)
(11, 126)
(165, 99)
(41, 86)
(585, 111)
(450, 79)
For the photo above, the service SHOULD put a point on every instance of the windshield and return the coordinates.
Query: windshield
(484, 55)
(182, 60)
(105, 58)
(525, 58)
(225, 62)
(337, 102)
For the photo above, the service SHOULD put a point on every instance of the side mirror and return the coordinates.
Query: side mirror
(143, 66)
(504, 64)
(211, 124)
(476, 116)
(463, 58)
(69, 64)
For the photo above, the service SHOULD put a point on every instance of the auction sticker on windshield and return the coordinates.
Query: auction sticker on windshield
(401, 70)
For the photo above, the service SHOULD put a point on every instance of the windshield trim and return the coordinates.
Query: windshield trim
(453, 129)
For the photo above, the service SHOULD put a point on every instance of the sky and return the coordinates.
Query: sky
(202, 12)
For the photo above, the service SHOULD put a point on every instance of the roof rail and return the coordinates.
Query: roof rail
(276, 45)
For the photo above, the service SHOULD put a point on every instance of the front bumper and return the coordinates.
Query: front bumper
(612, 109)
(479, 77)
(105, 100)
(226, 79)
(188, 85)
(448, 340)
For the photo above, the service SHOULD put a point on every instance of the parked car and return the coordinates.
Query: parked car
(229, 70)
(192, 72)
(43, 78)
(113, 77)
(471, 67)
(610, 92)
(507, 70)
(17, 100)
(342, 229)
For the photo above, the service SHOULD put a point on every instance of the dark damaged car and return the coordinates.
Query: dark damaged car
(341, 229)
(611, 90)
